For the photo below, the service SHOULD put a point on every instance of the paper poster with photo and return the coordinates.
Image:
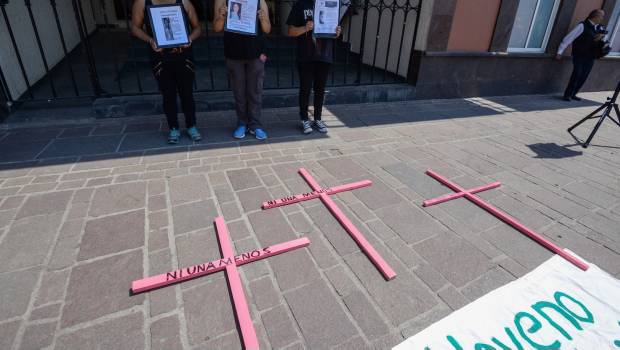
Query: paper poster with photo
(326, 18)
(169, 25)
(242, 16)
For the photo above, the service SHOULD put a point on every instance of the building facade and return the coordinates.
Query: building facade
(66, 49)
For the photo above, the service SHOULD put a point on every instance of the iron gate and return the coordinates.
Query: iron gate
(99, 57)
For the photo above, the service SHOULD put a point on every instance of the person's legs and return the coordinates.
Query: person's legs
(574, 77)
(165, 75)
(306, 75)
(237, 76)
(586, 68)
(254, 92)
(185, 83)
(321, 71)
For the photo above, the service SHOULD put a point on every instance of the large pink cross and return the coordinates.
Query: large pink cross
(324, 193)
(228, 262)
(469, 194)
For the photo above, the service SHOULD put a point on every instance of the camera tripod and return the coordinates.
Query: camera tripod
(607, 106)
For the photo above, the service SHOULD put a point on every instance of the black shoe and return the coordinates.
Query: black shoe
(566, 98)
(576, 98)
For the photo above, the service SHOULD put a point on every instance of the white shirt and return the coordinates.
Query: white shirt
(571, 36)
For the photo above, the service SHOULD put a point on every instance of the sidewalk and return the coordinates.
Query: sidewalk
(86, 210)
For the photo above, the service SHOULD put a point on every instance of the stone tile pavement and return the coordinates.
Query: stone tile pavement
(84, 210)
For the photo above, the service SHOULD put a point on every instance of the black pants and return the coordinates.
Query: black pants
(581, 69)
(312, 76)
(176, 77)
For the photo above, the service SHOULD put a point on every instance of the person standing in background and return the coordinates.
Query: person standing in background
(314, 59)
(173, 68)
(584, 38)
(245, 60)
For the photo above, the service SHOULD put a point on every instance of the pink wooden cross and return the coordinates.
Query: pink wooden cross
(469, 194)
(228, 262)
(323, 193)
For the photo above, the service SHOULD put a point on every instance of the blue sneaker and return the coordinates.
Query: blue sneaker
(194, 134)
(240, 132)
(173, 136)
(260, 134)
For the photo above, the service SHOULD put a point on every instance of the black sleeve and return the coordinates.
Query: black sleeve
(296, 17)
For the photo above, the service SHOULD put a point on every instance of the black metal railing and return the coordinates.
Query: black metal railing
(103, 59)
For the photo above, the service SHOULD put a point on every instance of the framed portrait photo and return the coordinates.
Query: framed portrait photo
(242, 16)
(326, 18)
(169, 25)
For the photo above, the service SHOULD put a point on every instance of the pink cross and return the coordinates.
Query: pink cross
(323, 193)
(228, 262)
(469, 194)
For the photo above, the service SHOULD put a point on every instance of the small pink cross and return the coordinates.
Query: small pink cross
(228, 262)
(324, 193)
(469, 194)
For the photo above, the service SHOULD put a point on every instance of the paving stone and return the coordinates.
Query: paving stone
(409, 222)
(66, 248)
(380, 229)
(425, 320)
(38, 336)
(252, 199)
(125, 332)
(188, 188)
(300, 223)
(28, 241)
(12, 202)
(320, 250)
(602, 225)
(157, 203)
(257, 269)
(559, 204)
(548, 175)
(429, 275)
(271, 227)
(279, 327)
(454, 258)
(243, 179)
(400, 299)
(514, 268)
(321, 319)
(415, 179)
(193, 216)
(516, 245)
(17, 287)
(592, 194)
(333, 231)
(404, 252)
(48, 203)
(112, 234)
(452, 297)
(342, 168)
(530, 217)
(586, 248)
(376, 196)
(81, 146)
(165, 334)
(53, 287)
(117, 198)
(45, 312)
(355, 343)
(264, 293)
(101, 287)
(8, 331)
(238, 230)
(218, 313)
(365, 315)
(488, 282)
(469, 214)
(158, 220)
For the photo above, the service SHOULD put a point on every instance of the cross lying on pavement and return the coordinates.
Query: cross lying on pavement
(229, 262)
(323, 193)
(469, 194)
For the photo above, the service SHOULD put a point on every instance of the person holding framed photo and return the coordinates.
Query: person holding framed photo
(172, 60)
(244, 23)
(315, 54)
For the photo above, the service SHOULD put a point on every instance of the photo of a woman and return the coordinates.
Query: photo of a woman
(235, 11)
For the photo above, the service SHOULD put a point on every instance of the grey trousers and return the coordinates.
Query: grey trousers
(246, 80)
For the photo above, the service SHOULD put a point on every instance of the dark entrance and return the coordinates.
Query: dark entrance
(375, 49)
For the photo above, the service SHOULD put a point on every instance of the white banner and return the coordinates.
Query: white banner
(556, 306)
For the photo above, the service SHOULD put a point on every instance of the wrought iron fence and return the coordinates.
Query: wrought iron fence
(103, 59)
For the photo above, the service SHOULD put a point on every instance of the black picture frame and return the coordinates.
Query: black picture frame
(185, 26)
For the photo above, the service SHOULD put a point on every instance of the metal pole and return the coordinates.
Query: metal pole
(97, 90)
(41, 51)
(64, 46)
(6, 93)
(363, 39)
(89, 50)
